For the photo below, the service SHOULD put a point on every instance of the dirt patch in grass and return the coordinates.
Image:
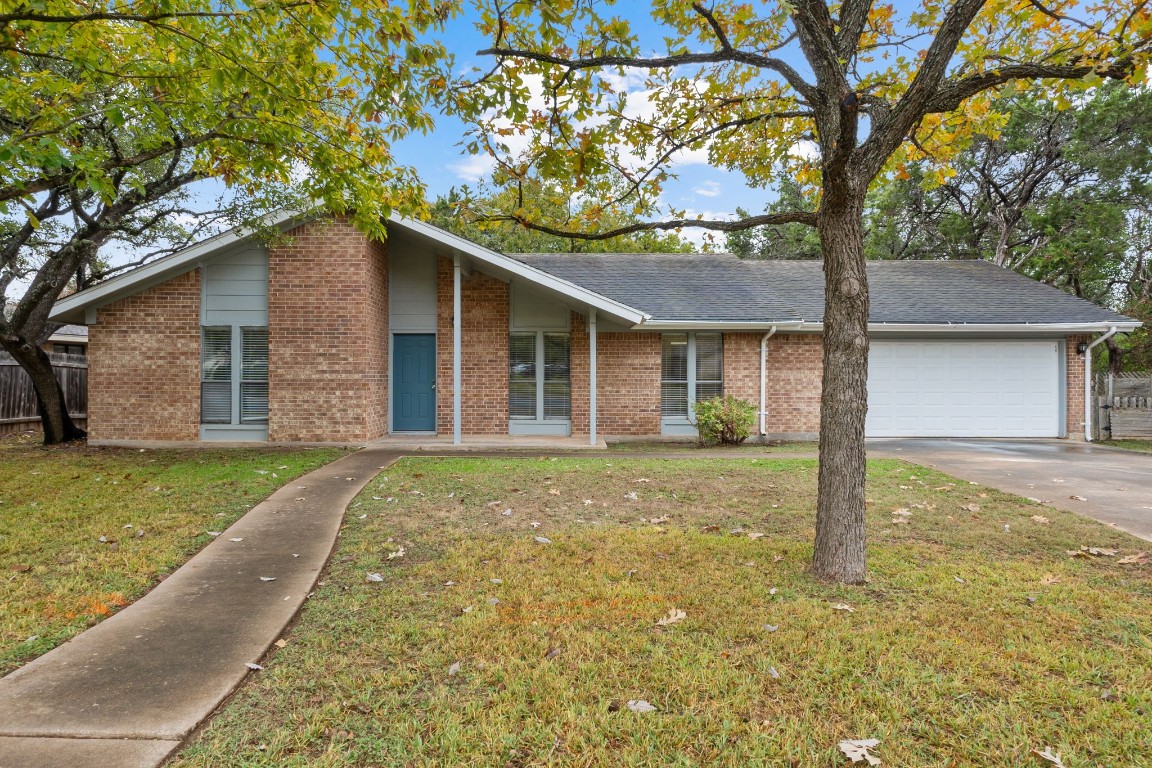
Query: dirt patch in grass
(977, 639)
(85, 531)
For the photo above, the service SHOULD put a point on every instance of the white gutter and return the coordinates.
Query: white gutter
(1088, 381)
(1005, 329)
(763, 371)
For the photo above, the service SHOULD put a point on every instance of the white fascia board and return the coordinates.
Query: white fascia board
(72, 308)
(524, 271)
(723, 325)
(882, 329)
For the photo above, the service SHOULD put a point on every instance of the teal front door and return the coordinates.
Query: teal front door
(414, 382)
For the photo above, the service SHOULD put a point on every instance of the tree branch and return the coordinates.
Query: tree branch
(737, 225)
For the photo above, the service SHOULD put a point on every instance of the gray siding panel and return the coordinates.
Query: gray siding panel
(411, 288)
(235, 289)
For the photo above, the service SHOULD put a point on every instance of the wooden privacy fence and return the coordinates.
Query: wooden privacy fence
(18, 398)
(1124, 405)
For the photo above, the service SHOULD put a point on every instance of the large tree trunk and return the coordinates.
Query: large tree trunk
(840, 539)
(54, 418)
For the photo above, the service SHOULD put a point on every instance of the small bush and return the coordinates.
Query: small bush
(724, 420)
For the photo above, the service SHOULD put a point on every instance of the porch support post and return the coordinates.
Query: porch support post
(592, 376)
(457, 322)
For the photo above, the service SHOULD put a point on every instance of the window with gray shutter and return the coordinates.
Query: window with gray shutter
(691, 369)
(216, 375)
(254, 376)
(540, 376)
(522, 376)
(674, 375)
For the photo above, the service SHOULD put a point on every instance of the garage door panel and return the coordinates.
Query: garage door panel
(964, 389)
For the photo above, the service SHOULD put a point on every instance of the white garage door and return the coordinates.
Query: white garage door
(964, 389)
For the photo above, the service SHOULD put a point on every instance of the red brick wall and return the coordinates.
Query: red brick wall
(1074, 387)
(794, 366)
(627, 384)
(580, 376)
(144, 365)
(484, 353)
(327, 335)
(742, 366)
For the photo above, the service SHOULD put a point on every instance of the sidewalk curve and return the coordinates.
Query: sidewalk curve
(126, 692)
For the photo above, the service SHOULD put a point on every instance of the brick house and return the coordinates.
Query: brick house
(332, 337)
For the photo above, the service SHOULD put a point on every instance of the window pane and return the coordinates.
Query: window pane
(707, 391)
(522, 357)
(557, 356)
(254, 365)
(216, 354)
(709, 358)
(254, 402)
(215, 402)
(557, 400)
(674, 400)
(216, 375)
(522, 399)
(674, 357)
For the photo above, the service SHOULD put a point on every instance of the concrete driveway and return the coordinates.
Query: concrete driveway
(1116, 483)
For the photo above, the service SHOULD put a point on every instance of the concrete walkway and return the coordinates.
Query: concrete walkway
(125, 693)
(1114, 485)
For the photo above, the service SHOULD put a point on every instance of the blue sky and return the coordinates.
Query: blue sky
(442, 162)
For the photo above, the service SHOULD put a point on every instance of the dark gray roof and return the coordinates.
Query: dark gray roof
(721, 287)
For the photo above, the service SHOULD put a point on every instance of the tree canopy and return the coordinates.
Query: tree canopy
(833, 95)
(109, 111)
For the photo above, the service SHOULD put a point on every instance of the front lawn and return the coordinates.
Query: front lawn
(977, 640)
(749, 447)
(85, 531)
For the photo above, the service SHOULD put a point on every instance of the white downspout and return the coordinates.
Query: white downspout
(1088, 382)
(763, 372)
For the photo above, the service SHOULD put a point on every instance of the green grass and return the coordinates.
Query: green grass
(152, 507)
(1144, 446)
(664, 446)
(970, 646)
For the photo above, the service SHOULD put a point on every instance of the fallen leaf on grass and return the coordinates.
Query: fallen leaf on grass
(903, 511)
(1049, 579)
(553, 491)
(641, 480)
(281, 643)
(1040, 519)
(552, 653)
(251, 665)
(771, 627)
(856, 750)
(971, 507)
(843, 607)
(755, 536)
(1140, 558)
(639, 705)
(1052, 757)
(398, 553)
(452, 670)
(772, 673)
(631, 495)
(710, 529)
(658, 520)
(673, 616)
(21, 568)
(542, 540)
(1091, 552)
(374, 577)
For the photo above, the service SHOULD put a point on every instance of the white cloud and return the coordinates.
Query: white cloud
(709, 189)
(473, 168)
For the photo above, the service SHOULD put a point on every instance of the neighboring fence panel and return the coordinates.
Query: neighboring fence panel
(1125, 405)
(18, 398)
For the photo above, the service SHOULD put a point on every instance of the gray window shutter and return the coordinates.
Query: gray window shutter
(216, 375)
